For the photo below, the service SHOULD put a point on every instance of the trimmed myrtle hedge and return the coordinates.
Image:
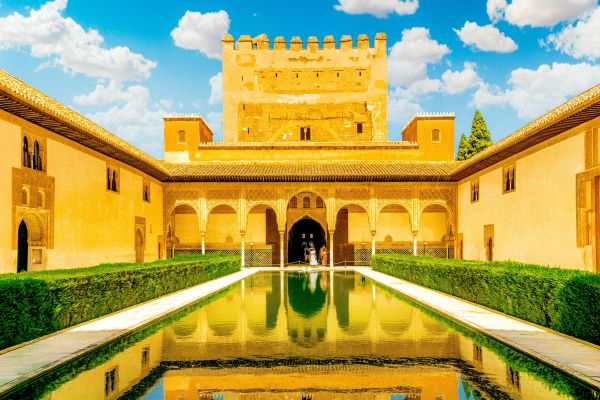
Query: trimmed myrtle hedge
(33, 304)
(567, 301)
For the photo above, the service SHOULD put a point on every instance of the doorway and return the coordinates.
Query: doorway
(303, 232)
(597, 222)
(490, 250)
(139, 247)
(22, 248)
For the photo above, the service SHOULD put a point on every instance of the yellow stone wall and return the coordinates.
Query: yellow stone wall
(195, 130)
(90, 224)
(535, 223)
(420, 129)
(10, 157)
(270, 93)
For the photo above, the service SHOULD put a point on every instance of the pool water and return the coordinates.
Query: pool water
(305, 335)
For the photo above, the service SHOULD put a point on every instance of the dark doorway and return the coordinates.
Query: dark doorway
(300, 235)
(490, 250)
(22, 248)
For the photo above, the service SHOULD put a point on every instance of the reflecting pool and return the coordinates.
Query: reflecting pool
(305, 335)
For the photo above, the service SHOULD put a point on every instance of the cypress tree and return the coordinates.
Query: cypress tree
(464, 148)
(480, 137)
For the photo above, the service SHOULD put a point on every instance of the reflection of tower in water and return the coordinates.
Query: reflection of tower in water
(306, 309)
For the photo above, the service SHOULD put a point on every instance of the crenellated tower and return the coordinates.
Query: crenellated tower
(319, 92)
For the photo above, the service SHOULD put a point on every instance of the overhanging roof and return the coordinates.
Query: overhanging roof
(22, 100)
(578, 110)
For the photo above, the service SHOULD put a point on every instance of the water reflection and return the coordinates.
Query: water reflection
(320, 334)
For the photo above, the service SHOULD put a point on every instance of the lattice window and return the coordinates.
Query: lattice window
(320, 203)
(508, 179)
(294, 202)
(306, 202)
(474, 191)
(181, 137)
(435, 136)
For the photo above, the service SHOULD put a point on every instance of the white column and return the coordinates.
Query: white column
(373, 242)
(203, 245)
(243, 236)
(281, 252)
(415, 243)
(330, 249)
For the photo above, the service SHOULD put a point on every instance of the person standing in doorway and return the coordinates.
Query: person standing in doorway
(323, 255)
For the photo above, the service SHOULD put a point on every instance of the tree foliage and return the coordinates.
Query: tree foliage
(464, 148)
(479, 139)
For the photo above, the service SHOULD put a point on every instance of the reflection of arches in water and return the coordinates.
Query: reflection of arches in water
(432, 326)
(273, 302)
(303, 299)
(395, 316)
(222, 315)
(341, 287)
(186, 326)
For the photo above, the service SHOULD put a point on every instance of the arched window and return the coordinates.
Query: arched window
(320, 203)
(294, 202)
(435, 136)
(26, 157)
(41, 199)
(36, 155)
(108, 176)
(306, 202)
(509, 181)
(181, 139)
(24, 197)
(114, 181)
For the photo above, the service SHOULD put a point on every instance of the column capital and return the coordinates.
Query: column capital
(415, 233)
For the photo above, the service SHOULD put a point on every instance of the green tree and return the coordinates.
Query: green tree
(464, 148)
(480, 138)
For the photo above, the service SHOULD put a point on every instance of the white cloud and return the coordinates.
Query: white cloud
(401, 109)
(408, 58)
(133, 119)
(458, 81)
(378, 8)
(51, 35)
(216, 89)
(537, 13)
(485, 38)
(166, 103)
(580, 40)
(215, 121)
(202, 32)
(534, 92)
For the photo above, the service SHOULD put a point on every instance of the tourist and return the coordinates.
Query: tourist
(323, 254)
(313, 254)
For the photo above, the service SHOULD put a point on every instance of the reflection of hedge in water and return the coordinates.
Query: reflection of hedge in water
(303, 300)
(467, 372)
(53, 379)
(549, 377)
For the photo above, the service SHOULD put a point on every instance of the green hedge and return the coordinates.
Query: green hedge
(567, 301)
(33, 304)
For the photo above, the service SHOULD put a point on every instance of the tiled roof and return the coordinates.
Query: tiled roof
(578, 110)
(272, 171)
(24, 101)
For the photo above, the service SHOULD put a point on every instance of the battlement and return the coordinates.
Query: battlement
(183, 116)
(262, 42)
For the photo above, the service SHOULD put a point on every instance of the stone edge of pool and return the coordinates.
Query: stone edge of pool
(571, 356)
(41, 355)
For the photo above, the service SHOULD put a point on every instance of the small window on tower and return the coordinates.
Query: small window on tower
(359, 127)
(435, 136)
(181, 137)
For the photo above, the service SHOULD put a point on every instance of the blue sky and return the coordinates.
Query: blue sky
(126, 63)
